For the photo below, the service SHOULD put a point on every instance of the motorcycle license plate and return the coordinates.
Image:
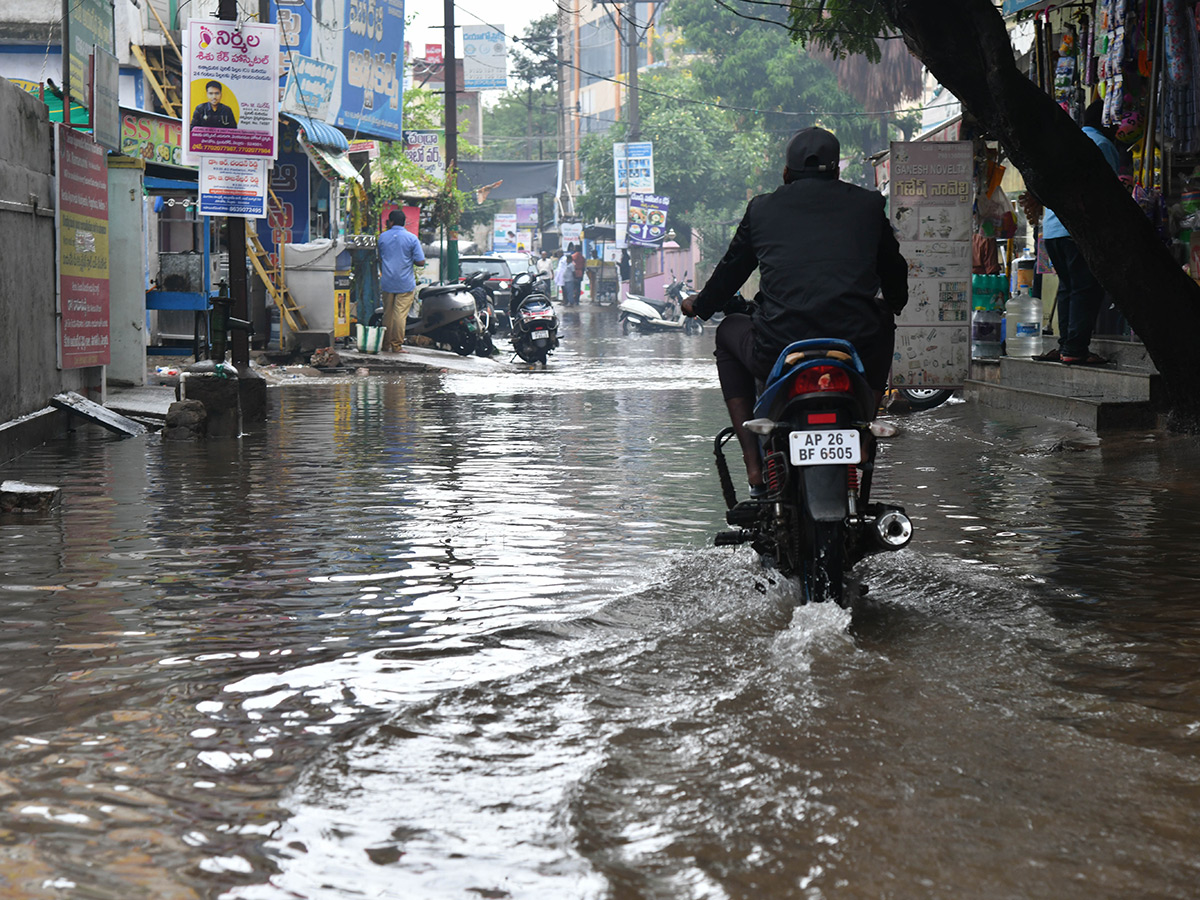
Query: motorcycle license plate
(539, 335)
(825, 447)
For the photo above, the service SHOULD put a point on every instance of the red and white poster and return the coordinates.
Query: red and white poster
(82, 221)
(231, 79)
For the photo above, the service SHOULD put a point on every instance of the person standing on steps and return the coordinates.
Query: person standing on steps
(1079, 293)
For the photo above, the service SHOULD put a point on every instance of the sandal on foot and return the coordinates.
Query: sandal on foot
(1049, 356)
(1090, 360)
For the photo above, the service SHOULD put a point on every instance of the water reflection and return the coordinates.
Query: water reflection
(441, 634)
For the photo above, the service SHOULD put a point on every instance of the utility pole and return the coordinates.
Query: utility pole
(637, 268)
(239, 339)
(450, 66)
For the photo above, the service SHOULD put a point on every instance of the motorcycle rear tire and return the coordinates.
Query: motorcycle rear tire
(692, 326)
(824, 565)
(626, 327)
(529, 352)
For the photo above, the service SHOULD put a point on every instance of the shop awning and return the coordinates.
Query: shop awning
(332, 165)
(320, 135)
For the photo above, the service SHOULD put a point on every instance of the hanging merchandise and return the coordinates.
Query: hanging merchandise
(1066, 73)
(1181, 117)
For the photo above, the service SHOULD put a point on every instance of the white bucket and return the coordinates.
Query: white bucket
(370, 338)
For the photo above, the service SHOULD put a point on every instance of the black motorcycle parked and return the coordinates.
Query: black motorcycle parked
(814, 420)
(485, 308)
(534, 324)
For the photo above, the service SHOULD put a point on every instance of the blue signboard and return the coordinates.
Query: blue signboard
(364, 39)
(289, 181)
(373, 68)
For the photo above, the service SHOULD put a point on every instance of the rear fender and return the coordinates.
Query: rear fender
(825, 493)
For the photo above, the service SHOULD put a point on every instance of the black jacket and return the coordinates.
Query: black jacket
(204, 116)
(824, 249)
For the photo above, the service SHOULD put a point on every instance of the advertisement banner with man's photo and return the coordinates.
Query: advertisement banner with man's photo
(647, 220)
(231, 82)
(931, 189)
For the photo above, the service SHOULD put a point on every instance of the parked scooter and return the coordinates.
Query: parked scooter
(476, 283)
(647, 315)
(534, 324)
(444, 313)
(816, 429)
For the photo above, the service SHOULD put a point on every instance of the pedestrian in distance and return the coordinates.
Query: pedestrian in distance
(624, 270)
(399, 253)
(825, 249)
(1079, 295)
(560, 273)
(578, 270)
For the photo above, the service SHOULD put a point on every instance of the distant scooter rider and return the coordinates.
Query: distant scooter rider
(824, 249)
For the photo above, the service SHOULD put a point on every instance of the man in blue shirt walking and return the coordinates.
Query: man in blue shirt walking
(399, 251)
(1079, 293)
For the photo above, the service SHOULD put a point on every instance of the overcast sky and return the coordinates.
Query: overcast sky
(512, 16)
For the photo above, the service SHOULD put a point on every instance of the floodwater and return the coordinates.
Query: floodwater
(453, 636)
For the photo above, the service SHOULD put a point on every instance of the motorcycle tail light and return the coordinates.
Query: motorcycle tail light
(816, 379)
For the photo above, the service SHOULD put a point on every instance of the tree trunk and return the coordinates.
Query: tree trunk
(966, 46)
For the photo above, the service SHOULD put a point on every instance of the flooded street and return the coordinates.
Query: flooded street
(460, 636)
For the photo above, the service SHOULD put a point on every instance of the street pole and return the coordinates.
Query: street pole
(637, 268)
(451, 86)
(239, 340)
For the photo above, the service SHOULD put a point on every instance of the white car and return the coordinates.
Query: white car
(518, 262)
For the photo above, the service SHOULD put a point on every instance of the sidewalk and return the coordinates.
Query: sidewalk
(150, 402)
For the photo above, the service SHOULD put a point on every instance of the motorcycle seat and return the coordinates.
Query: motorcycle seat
(435, 290)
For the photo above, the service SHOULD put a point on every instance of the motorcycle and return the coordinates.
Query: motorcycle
(647, 315)
(534, 324)
(816, 427)
(446, 314)
(489, 316)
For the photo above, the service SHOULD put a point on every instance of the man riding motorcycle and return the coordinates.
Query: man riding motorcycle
(825, 249)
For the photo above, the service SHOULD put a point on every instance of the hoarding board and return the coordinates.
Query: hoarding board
(90, 25)
(231, 79)
(931, 190)
(82, 226)
(233, 186)
(647, 220)
(485, 59)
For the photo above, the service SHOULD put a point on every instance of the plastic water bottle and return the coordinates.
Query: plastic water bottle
(985, 333)
(1023, 323)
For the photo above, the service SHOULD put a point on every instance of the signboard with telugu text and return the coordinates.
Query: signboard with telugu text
(647, 220)
(485, 59)
(309, 88)
(231, 80)
(233, 186)
(82, 226)
(425, 149)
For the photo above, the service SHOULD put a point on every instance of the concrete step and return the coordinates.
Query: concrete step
(1128, 354)
(1111, 382)
(1094, 412)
